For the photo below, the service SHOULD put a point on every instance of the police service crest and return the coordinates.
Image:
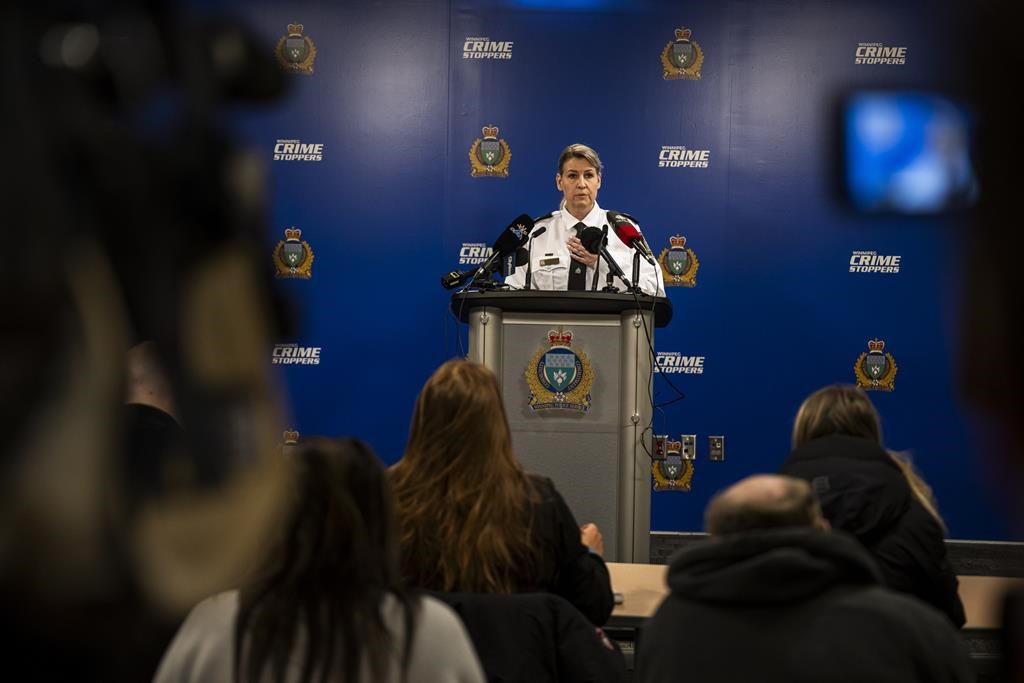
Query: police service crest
(489, 156)
(295, 51)
(875, 370)
(682, 57)
(292, 257)
(670, 470)
(558, 376)
(678, 263)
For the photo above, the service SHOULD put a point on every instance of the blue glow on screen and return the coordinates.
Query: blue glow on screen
(908, 153)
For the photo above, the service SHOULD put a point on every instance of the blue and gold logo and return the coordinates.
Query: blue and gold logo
(292, 257)
(671, 471)
(558, 377)
(678, 263)
(682, 57)
(875, 370)
(295, 51)
(489, 156)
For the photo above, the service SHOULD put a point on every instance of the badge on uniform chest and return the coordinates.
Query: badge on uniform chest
(553, 261)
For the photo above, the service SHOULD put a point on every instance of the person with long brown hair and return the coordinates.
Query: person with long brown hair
(328, 603)
(874, 494)
(471, 519)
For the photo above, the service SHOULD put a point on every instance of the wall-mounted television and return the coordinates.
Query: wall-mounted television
(907, 152)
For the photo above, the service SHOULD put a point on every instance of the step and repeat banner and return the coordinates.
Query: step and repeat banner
(415, 132)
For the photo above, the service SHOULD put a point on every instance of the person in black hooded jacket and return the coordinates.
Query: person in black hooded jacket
(873, 494)
(774, 596)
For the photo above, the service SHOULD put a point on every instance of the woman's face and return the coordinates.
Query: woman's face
(579, 183)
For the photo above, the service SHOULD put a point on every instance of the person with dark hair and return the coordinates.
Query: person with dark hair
(873, 494)
(328, 602)
(774, 595)
(471, 519)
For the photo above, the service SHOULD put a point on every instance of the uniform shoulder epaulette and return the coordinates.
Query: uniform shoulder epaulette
(546, 216)
(612, 214)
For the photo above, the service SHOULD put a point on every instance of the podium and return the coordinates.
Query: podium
(575, 370)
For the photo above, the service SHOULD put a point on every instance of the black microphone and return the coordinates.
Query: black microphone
(632, 237)
(513, 261)
(510, 239)
(529, 253)
(592, 240)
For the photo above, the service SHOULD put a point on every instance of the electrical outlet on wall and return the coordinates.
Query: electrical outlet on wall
(689, 446)
(716, 448)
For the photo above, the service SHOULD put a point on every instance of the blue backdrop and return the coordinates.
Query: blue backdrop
(397, 100)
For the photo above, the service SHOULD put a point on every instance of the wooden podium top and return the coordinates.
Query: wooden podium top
(643, 588)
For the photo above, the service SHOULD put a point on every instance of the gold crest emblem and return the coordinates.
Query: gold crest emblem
(489, 156)
(295, 51)
(875, 370)
(682, 57)
(292, 257)
(558, 376)
(671, 471)
(678, 263)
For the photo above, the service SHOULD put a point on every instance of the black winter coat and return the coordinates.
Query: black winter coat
(864, 493)
(792, 605)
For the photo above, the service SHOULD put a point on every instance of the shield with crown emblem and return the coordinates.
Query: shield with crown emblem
(677, 261)
(490, 152)
(293, 253)
(671, 470)
(295, 49)
(875, 365)
(560, 369)
(682, 53)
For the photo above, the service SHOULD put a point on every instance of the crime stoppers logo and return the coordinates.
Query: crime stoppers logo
(682, 57)
(489, 156)
(296, 150)
(877, 53)
(875, 370)
(293, 354)
(474, 253)
(559, 377)
(295, 51)
(675, 363)
(674, 156)
(873, 262)
(474, 47)
(292, 257)
(678, 263)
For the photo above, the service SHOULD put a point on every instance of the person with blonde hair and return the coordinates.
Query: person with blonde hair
(471, 519)
(565, 254)
(873, 494)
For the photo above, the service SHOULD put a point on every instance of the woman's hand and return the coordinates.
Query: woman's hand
(579, 253)
(591, 537)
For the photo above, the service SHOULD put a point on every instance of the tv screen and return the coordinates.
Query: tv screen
(907, 152)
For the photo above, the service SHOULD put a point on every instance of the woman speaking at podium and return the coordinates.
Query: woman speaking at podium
(560, 261)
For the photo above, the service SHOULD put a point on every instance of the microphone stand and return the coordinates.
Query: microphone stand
(529, 262)
(597, 266)
(613, 271)
(636, 271)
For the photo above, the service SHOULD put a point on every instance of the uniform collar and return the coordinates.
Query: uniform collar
(595, 218)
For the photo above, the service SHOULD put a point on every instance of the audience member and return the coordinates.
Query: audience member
(471, 519)
(775, 596)
(328, 602)
(873, 494)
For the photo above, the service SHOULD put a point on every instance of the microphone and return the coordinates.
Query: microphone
(511, 238)
(631, 237)
(529, 253)
(594, 241)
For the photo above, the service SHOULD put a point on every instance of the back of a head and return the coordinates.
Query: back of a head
(836, 409)
(335, 561)
(460, 493)
(765, 501)
(459, 421)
